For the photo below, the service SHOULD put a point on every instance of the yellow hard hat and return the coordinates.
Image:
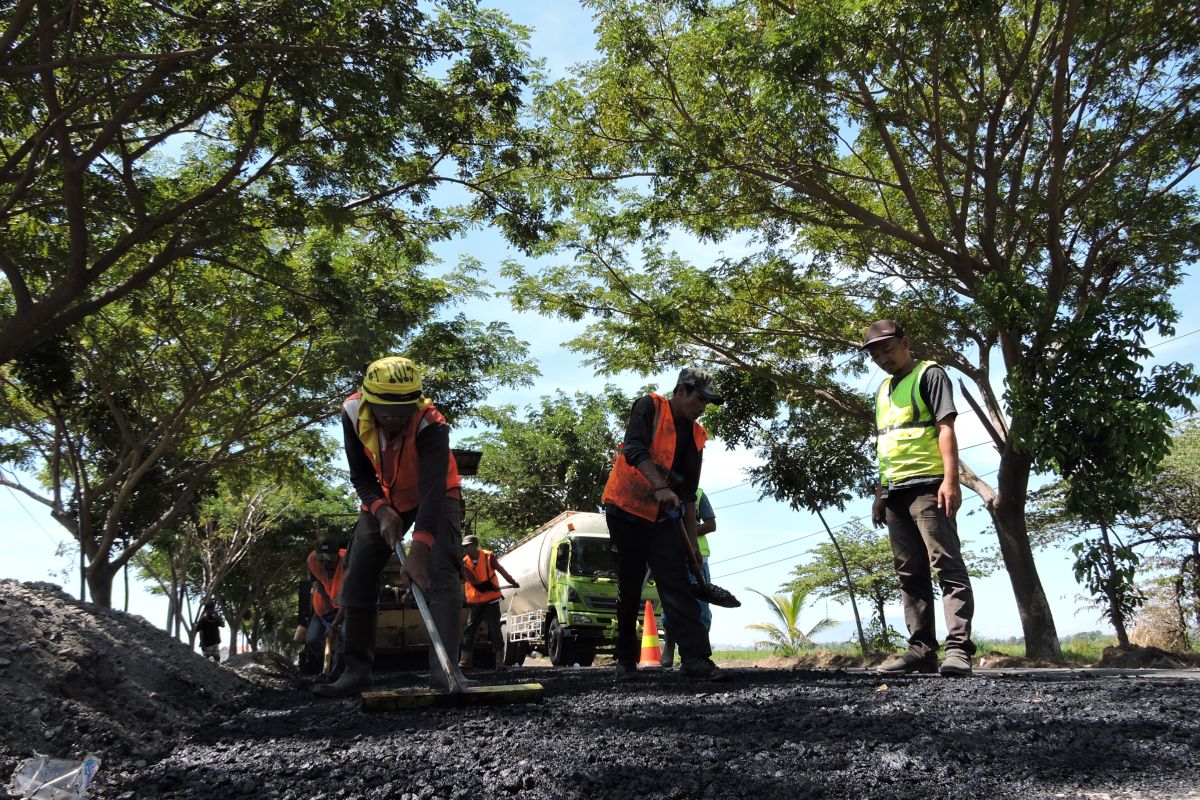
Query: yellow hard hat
(392, 381)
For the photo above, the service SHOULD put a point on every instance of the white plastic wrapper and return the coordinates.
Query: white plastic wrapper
(41, 778)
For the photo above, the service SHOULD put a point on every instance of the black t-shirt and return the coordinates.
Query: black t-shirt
(685, 466)
(210, 629)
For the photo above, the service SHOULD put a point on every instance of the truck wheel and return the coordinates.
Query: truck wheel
(514, 653)
(558, 645)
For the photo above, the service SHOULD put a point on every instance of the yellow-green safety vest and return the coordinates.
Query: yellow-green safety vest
(905, 430)
(701, 540)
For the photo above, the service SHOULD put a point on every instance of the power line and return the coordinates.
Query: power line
(29, 514)
(798, 538)
(728, 488)
(811, 535)
(1176, 339)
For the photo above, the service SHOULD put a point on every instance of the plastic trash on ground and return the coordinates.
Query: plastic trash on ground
(41, 778)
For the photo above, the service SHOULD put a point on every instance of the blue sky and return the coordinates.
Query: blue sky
(757, 542)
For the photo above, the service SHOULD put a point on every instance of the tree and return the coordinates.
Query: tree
(811, 457)
(868, 556)
(1169, 525)
(1160, 518)
(786, 636)
(1104, 564)
(555, 457)
(137, 135)
(206, 370)
(1007, 179)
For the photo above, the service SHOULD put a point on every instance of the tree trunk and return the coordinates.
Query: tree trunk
(1008, 514)
(862, 638)
(1115, 615)
(234, 627)
(100, 575)
(1196, 583)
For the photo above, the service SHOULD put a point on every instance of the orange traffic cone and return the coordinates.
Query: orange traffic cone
(651, 649)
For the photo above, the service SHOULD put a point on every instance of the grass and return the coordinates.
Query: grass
(1082, 649)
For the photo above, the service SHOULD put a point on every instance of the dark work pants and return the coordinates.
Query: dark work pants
(925, 542)
(368, 554)
(657, 546)
(483, 612)
(314, 641)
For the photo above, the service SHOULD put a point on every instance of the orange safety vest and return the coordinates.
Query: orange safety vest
(627, 488)
(482, 570)
(403, 492)
(333, 586)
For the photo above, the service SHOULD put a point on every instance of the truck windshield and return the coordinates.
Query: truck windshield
(593, 558)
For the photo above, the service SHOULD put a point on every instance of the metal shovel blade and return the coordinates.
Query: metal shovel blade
(711, 593)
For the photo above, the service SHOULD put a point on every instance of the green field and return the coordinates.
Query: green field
(1082, 649)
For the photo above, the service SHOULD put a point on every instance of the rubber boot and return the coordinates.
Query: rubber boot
(467, 659)
(358, 657)
(447, 618)
(668, 652)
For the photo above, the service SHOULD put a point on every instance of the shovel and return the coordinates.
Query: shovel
(708, 592)
(461, 691)
(327, 670)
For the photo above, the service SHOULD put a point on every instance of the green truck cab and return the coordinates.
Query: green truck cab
(566, 606)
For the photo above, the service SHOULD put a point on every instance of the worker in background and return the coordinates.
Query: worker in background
(917, 496)
(658, 470)
(483, 596)
(706, 523)
(209, 625)
(327, 569)
(398, 450)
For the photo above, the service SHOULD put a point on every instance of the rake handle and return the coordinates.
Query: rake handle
(453, 675)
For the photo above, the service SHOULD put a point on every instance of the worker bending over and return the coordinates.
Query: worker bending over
(398, 450)
(327, 571)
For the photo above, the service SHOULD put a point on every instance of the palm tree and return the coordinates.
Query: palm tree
(786, 637)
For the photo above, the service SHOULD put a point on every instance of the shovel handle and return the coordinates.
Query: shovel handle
(453, 675)
(676, 516)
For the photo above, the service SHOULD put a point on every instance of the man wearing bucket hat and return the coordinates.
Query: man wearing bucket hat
(917, 496)
(658, 470)
(398, 450)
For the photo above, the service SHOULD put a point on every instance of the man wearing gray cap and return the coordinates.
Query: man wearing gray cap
(917, 496)
(658, 470)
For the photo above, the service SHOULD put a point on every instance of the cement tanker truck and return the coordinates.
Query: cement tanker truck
(566, 606)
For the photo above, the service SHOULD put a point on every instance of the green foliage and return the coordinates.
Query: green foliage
(208, 372)
(812, 456)
(872, 569)
(786, 636)
(1164, 527)
(1084, 649)
(138, 135)
(1108, 570)
(1168, 527)
(555, 457)
(1009, 181)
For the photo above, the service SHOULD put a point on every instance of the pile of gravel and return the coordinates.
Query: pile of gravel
(77, 679)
